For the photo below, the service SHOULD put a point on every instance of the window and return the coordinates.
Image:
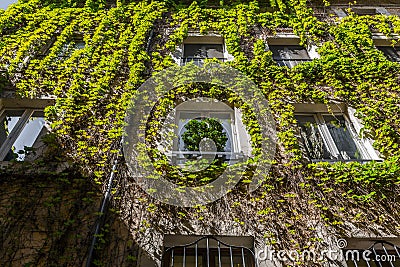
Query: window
(327, 137)
(68, 48)
(75, 43)
(21, 131)
(365, 11)
(208, 252)
(392, 53)
(237, 140)
(196, 48)
(376, 254)
(198, 52)
(342, 12)
(289, 55)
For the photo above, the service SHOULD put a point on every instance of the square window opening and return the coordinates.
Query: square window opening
(21, 134)
(289, 55)
(327, 137)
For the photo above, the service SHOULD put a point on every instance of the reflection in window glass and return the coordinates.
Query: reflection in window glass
(184, 118)
(203, 51)
(8, 123)
(289, 55)
(20, 133)
(329, 137)
(70, 47)
(392, 53)
(289, 52)
(226, 122)
(311, 138)
(342, 137)
(29, 135)
(222, 117)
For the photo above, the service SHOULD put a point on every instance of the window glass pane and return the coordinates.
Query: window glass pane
(70, 47)
(28, 136)
(392, 53)
(8, 123)
(184, 118)
(343, 137)
(311, 138)
(226, 122)
(11, 117)
(289, 55)
(364, 11)
(203, 51)
(190, 261)
(297, 52)
(237, 260)
(79, 45)
(288, 52)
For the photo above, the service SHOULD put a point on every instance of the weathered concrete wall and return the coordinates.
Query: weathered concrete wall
(49, 221)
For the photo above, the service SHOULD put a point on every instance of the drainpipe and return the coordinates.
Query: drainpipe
(107, 195)
(104, 203)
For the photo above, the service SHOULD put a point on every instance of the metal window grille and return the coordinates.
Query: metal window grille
(380, 254)
(208, 251)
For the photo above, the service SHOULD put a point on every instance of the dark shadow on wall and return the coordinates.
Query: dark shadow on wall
(48, 220)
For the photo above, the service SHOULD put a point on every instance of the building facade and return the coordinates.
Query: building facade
(319, 165)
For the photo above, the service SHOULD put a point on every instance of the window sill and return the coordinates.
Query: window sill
(21, 167)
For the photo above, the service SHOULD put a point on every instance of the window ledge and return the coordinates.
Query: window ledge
(20, 167)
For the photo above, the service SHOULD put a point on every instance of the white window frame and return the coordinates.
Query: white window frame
(206, 114)
(290, 39)
(197, 38)
(341, 12)
(381, 40)
(29, 107)
(239, 137)
(351, 123)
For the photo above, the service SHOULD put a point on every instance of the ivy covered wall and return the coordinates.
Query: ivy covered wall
(126, 42)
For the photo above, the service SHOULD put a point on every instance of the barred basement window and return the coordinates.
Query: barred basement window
(210, 252)
(378, 254)
(289, 55)
(327, 137)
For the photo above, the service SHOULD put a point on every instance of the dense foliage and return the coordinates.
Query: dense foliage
(126, 42)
